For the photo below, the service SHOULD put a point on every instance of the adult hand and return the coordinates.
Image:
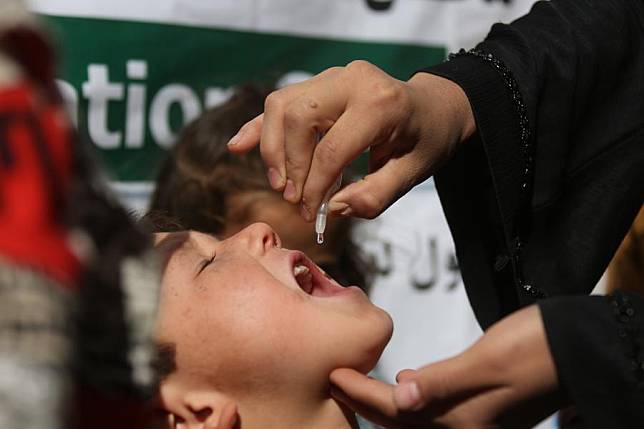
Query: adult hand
(507, 379)
(410, 128)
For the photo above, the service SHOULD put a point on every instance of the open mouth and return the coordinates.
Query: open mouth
(311, 279)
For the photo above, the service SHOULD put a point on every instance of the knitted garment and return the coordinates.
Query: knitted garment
(38, 270)
(36, 349)
(78, 281)
(35, 171)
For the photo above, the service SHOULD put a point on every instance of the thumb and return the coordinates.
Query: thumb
(370, 196)
(405, 374)
(435, 386)
(407, 396)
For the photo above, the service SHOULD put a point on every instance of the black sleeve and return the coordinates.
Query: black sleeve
(541, 196)
(539, 199)
(600, 361)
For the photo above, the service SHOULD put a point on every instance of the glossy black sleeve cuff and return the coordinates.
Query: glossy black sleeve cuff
(480, 188)
(497, 125)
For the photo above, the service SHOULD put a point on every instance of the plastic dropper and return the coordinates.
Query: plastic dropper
(323, 211)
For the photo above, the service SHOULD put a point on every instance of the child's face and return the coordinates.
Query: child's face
(242, 322)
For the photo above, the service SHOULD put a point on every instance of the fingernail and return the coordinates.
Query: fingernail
(407, 395)
(290, 193)
(338, 207)
(236, 138)
(346, 212)
(305, 212)
(274, 178)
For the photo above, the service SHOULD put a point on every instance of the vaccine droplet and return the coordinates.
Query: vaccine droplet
(320, 239)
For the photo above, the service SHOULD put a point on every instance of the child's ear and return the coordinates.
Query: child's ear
(211, 410)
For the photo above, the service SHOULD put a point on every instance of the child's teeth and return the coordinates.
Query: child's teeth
(299, 270)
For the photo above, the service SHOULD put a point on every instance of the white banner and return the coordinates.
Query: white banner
(454, 24)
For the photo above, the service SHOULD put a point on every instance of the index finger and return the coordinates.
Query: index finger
(248, 136)
(290, 114)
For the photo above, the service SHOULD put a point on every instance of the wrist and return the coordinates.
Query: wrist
(446, 101)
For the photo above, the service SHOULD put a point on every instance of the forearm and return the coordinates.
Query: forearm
(455, 110)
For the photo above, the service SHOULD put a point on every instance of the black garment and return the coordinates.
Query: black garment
(579, 66)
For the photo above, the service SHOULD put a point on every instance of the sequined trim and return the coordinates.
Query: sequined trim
(629, 333)
(527, 151)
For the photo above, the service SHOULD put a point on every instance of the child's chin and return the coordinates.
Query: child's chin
(379, 342)
(386, 327)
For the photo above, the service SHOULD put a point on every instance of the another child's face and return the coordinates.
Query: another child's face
(236, 313)
(269, 207)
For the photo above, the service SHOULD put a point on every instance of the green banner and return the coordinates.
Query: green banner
(131, 85)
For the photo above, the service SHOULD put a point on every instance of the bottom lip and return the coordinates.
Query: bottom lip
(325, 287)
(342, 290)
(329, 288)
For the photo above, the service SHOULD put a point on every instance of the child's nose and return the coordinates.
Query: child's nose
(261, 237)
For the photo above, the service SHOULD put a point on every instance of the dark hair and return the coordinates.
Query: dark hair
(158, 221)
(200, 173)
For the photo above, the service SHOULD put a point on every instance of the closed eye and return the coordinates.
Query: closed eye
(204, 263)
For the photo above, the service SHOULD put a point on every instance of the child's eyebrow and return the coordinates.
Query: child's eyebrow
(200, 242)
(169, 244)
